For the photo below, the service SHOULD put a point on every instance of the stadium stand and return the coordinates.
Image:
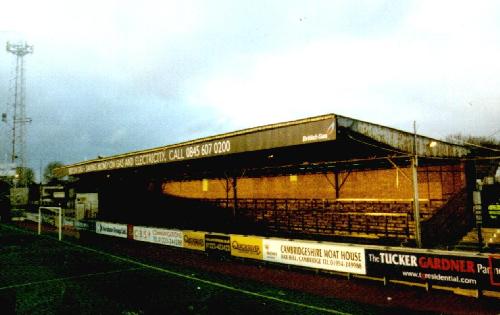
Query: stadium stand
(327, 177)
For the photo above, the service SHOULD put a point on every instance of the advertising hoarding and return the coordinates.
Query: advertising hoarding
(246, 246)
(494, 271)
(143, 234)
(268, 137)
(217, 244)
(461, 271)
(83, 225)
(158, 236)
(194, 240)
(112, 229)
(316, 255)
(453, 270)
(167, 237)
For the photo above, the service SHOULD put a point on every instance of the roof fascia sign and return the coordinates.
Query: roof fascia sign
(306, 131)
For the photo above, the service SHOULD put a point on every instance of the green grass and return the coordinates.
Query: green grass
(40, 275)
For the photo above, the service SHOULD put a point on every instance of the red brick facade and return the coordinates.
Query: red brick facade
(435, 183)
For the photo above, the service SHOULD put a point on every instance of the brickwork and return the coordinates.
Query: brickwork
(377, 202)
(216, 188)
(435, 182)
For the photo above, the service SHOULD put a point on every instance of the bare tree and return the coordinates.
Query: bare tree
(24, 176)
(479, 145)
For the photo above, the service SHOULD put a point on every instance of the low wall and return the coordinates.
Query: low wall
(432, 269)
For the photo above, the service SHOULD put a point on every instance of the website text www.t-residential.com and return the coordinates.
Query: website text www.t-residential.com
(438, 277)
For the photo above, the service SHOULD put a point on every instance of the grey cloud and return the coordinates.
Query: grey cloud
(123, 87)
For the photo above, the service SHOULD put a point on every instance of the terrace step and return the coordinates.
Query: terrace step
(490, 239)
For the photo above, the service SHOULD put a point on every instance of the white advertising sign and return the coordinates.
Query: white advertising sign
(316, 255)
(143, 234)
(167, 237)
(113, 229)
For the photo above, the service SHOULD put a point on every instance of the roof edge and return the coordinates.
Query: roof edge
(404, 141)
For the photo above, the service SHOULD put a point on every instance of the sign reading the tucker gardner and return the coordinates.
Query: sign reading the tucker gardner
(464, 271)
(316, 255)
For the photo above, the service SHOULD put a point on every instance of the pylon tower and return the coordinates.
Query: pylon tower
(18, 106)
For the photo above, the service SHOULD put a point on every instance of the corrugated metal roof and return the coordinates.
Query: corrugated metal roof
(403, 141)
(308, 130)
(398, 140)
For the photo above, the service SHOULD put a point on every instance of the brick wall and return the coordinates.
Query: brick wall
(435, 182)
(307, 203)
(215, 188)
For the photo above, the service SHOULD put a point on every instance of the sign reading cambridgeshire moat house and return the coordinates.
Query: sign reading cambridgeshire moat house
(316, 255)
(273, 136)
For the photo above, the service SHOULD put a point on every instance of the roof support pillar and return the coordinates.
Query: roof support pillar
(416, 205)
(337, 187)
(235, 195)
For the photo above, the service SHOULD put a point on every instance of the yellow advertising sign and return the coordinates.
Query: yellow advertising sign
(194, 240)
(246, 246)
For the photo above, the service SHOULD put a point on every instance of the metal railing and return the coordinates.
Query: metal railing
(367, 218)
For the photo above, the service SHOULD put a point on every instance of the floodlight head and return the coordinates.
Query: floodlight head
(19, 49)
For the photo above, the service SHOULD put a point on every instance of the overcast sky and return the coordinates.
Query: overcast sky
(108, 77)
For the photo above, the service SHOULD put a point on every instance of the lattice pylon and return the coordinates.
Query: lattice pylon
(19, 119)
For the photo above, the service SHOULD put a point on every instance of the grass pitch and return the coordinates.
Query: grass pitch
(40, 275)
